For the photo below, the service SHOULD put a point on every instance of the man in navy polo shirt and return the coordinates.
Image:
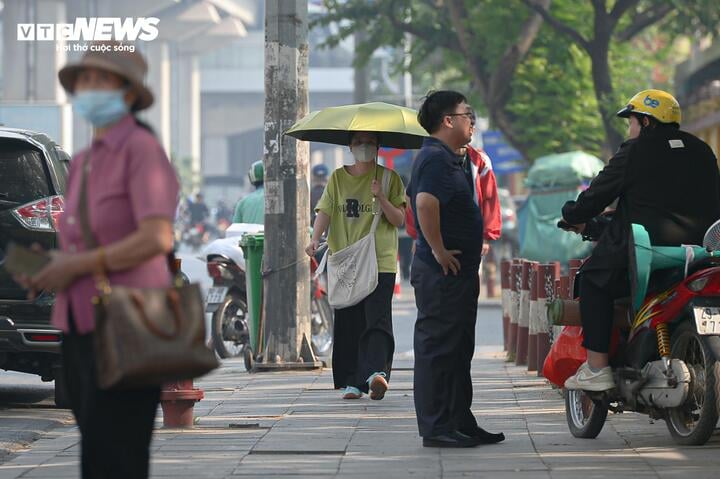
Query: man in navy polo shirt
(445, 276)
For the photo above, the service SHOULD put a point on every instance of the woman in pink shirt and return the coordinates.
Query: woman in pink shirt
(132, 193)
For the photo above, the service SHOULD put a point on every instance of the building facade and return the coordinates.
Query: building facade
(698, 88)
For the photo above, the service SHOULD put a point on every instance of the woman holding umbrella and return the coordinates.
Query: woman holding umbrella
(363, 334)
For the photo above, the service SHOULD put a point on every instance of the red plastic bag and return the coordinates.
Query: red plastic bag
(566, 355)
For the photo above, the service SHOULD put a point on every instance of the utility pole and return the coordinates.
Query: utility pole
(407, 76)
(361, 77)
(286, 282)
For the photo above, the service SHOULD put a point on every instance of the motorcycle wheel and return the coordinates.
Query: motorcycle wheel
(230, 332)
(321, 316)
(585, 417)
(694, 422)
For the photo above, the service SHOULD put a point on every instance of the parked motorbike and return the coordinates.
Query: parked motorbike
(227, 298)
(666, 363)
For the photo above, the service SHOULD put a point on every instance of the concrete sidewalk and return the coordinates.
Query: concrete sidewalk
(295, 425)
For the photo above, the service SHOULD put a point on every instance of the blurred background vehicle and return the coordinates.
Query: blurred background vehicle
(227, 300)
(33, 177)
(507, 246)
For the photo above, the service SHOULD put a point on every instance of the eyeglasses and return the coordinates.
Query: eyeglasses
(469, 114)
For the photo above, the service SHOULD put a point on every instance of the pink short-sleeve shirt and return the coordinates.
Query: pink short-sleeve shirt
(130, 179)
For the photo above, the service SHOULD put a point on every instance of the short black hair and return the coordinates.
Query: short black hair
(436, 105)
(654, 122)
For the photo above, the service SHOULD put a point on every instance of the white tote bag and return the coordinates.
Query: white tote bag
(352, 272)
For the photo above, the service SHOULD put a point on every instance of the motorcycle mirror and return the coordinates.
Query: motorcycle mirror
(711, 240)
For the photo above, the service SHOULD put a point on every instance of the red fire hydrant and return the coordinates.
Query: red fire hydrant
(177, 401)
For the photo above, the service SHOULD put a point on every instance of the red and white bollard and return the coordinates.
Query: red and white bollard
(177, 401)
(574, 266)
(532, 361)
(515, 276)
(548, 275)
(565, 287)
(505, 298)
(521, 355)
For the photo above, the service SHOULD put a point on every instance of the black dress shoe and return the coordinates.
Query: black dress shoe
(484, 437)
(451, 439)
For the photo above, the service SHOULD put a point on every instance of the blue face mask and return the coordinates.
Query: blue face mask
(101, 107)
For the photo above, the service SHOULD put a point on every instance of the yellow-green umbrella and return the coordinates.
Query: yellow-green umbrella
(397, 126)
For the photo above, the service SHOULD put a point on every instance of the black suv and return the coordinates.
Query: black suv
(33, 175)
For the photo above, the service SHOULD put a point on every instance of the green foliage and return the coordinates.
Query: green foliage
(689, 17)
(552, 103)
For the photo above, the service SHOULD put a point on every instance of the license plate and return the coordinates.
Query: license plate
(707, 320)
(216, 295)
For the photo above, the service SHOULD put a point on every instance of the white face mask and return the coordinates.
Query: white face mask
(364, 153)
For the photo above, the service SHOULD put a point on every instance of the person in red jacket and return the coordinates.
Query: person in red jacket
(486, 192)
(486, 195)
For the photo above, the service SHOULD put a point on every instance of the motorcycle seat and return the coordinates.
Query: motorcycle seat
(663, 279)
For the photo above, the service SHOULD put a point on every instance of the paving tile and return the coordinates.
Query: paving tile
(295, 425)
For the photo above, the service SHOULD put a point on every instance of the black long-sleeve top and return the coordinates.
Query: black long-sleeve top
(666, 180)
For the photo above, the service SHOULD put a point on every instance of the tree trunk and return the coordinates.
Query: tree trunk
(602, 81)
(494, 86)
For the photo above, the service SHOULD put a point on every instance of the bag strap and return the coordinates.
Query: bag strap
(376, 220)
(323, 262)
(385, 187)
(88, 237)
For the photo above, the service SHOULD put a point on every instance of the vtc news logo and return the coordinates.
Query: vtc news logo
(91, 29)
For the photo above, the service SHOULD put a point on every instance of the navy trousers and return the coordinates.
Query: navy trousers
(444, 347)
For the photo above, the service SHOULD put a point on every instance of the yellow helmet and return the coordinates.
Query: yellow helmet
(658, 104)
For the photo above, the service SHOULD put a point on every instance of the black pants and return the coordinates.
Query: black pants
(598, 291)
(364, 342)
(115, 426)
(444, 347)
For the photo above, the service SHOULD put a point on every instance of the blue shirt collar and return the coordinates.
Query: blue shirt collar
(432, 141)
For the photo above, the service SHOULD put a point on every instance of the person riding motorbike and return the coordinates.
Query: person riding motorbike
(662, 178)
(251, 209)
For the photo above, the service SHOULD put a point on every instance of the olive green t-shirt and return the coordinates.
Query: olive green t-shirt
(348, 201)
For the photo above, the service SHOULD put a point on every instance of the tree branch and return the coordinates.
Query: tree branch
(600, 5)
(444, 41)
(514, 55)
(558, 25)
(643, 20)
(466, 40)
(622, 6)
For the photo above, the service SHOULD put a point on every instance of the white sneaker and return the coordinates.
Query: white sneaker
(587, 380)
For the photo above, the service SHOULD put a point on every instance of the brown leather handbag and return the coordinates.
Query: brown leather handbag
(145, 337)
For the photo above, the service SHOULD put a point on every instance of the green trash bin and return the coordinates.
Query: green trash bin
(252, 245)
